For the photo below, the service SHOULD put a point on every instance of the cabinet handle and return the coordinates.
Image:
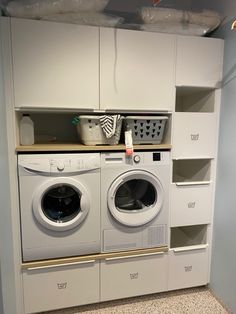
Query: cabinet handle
(190, 248)
(60, 265)
(191, 158)
(193, 183)
(132, 256)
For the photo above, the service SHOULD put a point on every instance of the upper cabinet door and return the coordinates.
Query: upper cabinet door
(136, 70)
(55, 65)
(199, 61)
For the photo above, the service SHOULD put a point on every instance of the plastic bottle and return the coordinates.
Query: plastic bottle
(26, 130)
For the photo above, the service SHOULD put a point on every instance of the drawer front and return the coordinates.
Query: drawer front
(55, 288)
(129, 277)
(191, 205)
(188, 268)
(194, 135)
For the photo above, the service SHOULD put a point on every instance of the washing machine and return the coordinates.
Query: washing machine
(59, 205)
(134, 200)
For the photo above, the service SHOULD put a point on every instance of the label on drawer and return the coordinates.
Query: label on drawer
(191, 204)
(195, 137)
(62, 285)
(134, 276)
(188, 268)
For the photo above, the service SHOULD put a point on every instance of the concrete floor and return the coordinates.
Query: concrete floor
(188, 301)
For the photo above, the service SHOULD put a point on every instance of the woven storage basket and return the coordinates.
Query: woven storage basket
(146, 129)
(91, 133)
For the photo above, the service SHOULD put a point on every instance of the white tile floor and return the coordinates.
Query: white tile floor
(188, 301)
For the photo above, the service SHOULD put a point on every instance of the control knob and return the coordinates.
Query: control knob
(136, 159)
(60, 166)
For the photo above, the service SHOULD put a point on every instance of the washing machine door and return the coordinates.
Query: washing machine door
(135, 198)
(61, 204)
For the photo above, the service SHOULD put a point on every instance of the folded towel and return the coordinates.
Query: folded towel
(108, 124)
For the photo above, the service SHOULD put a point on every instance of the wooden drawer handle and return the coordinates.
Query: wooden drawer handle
(133, 256)
(61, 265)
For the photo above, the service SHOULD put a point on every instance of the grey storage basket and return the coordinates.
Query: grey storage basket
(146, 129)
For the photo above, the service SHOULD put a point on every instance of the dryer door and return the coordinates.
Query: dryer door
(61, 204)
(135, 198)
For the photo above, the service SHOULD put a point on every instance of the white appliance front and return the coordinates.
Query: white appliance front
(59, 205)
(134, 200)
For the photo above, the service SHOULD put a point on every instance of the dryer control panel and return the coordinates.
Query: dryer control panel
(136, 160)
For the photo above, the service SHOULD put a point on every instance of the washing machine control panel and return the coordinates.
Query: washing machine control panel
(73, 164)
(60, 166)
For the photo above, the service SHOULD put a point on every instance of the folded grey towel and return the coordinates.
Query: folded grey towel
(108, 124)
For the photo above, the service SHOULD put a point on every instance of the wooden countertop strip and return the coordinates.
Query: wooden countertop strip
(79, 147)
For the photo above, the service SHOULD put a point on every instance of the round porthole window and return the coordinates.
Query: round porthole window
(61, 204)
(135, 198)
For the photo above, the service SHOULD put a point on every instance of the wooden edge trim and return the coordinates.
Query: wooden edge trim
(78, 147)
(96, 257)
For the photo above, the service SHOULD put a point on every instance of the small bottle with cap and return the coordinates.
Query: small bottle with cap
(26, 130)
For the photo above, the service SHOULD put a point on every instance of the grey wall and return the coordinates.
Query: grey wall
(223, 274)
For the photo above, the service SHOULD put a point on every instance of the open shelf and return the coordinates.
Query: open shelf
(55, 132)
(189, 99)
(188, 236)
(191, 170)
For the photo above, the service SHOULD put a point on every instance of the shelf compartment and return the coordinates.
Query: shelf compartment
(195, 122)
(53, 128)
(195, 99)
(185, 236)
(132, 276)
(188, 257)
(191, 171)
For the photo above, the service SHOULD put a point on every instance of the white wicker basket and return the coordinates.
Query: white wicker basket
(91, 133)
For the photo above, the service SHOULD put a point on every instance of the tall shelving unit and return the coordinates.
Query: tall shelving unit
(192, 135)
(194, 139)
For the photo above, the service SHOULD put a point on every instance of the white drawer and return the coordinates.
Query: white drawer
(194, 135)
(188, 268)
(127, 277)
(191, 204)
(60, 287)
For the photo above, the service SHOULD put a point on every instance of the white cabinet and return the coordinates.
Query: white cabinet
(55, 65)
(194, 134)
(188, 268)
(130, 276)
(136, 70)
(195, 123)
(191, 192)
(188, 257)
(191, 204)
(60, 286)
(199, 61)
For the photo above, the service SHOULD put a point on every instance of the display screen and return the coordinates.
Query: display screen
(156, 156)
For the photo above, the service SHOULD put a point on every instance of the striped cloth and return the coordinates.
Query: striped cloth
(108, 124)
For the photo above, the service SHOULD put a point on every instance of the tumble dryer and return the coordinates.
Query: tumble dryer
(59, 205)
(134, 200)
